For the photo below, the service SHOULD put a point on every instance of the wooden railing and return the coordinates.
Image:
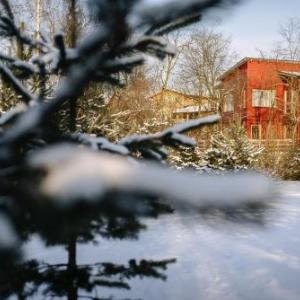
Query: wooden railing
(278, 144)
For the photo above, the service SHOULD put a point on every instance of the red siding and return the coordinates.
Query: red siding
(258, 74)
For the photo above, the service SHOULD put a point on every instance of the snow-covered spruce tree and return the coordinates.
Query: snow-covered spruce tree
(186, 158)
(288, 166)
(294, 167)
(67, 187)
(231, 151)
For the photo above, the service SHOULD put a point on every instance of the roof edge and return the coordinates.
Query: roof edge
(179, 93)
(246, 59)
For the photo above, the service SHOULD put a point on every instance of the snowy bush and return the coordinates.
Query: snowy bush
(186, 158)
(231, 151)
(288, 165)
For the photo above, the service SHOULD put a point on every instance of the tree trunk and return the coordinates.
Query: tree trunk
(72, 44)
(72, 268)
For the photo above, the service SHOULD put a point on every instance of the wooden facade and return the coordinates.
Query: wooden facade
(176, 106)
(263, 96)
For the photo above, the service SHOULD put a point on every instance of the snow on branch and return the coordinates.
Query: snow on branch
(178, 24)
(75, 174)
(155, 46)
(8, 28)
(7, 8)
(8, 237)
(152, 145)
(100, 143)
(166, 12)
(10, 78)
(10, 116)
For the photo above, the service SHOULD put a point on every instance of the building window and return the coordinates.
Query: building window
(294, 101)
(255, 132)
(263, 98)
(285, 96)
(288, 132)
(244, 99)
(228, 105)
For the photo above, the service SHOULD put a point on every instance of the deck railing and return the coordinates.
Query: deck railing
(275, 144)
(281, 145)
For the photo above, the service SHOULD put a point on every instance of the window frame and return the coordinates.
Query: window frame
(271, 101)
(244, 98)
(259, 131)
(229, 108)
(294, 99)
(285, 100)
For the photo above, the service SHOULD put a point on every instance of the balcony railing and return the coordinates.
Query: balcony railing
(275, 144)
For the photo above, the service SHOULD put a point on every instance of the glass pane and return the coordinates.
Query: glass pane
(263, 98)
(228, 103)
(255, 132)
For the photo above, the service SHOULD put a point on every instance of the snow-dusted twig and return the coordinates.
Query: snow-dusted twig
(158, 14)
(75, 174)
(21, 65)
(7, 8)
(11, 115)
(151, 146)
(100, 143)
(16, 84)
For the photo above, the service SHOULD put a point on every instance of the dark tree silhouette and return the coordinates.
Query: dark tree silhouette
(63, 185)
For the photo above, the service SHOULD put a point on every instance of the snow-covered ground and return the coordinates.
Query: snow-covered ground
(248, 255)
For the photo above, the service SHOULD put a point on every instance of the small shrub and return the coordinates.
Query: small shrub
(231, 151)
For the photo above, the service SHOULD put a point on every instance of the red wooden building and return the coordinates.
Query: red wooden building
(263, 95)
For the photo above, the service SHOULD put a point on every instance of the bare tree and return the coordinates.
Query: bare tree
(288, 47)
(163, 73)
(129, 108)
(208, 55)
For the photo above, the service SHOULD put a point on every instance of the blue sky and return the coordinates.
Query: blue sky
(255, 23)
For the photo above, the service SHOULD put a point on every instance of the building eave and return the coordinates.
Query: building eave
(289, 75)
(247, 59)
(189, 96)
